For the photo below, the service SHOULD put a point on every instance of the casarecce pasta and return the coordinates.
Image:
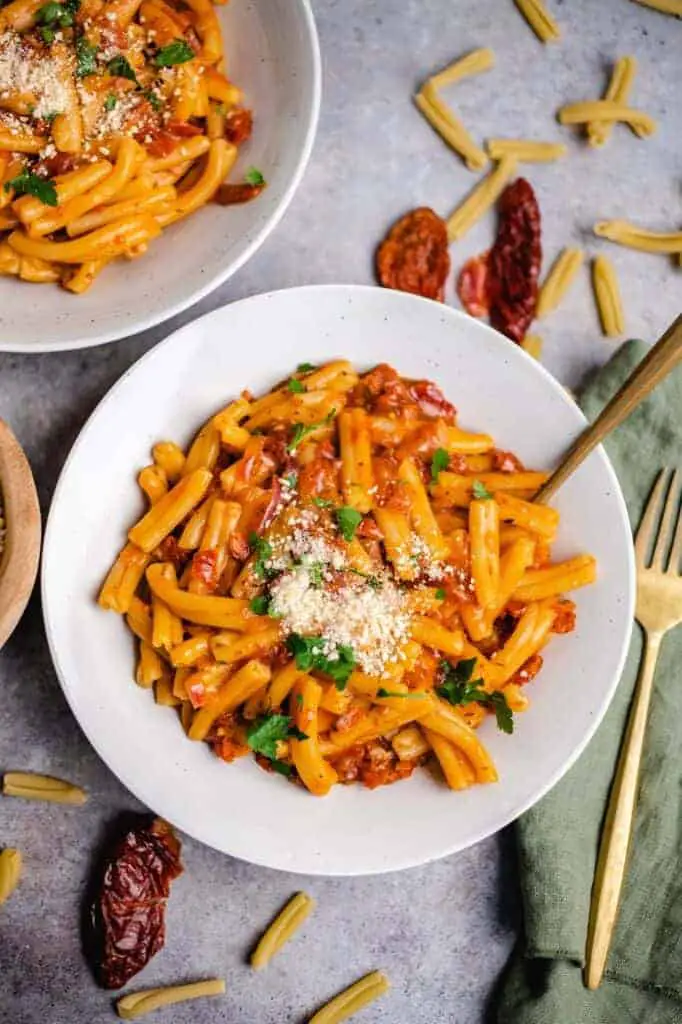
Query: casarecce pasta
(117, 119)
(340, 579)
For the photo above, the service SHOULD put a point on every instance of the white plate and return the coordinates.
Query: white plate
(239, 808)
(273, 55)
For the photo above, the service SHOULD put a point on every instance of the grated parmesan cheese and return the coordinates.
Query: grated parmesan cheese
(46, 77)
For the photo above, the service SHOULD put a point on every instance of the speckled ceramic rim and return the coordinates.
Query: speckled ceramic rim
(312, 114)
(166, 806)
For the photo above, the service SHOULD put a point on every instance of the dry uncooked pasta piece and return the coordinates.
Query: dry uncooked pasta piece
(539, 19)
(618, 92)
(450, 128)
(559, 280)
(137, 1004)
(607, 111)
(624, 233)
(352, 999)
(673, 7)
(525, 150)
(10, 871)
(479, 201)
(42, 787)
(607, 295)
(472, 64)
(283, 928)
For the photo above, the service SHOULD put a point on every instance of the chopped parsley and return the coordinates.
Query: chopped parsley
(121, 68)
(259, 605)
(315, 570)
(440, 594)
(480, 491)
(111, 101)
(323, 503)
(296, 386)
(54, 16)
(154, 99)
(301, 430)
(381, 692)
(263, 551)
(269, 730)
(86, 63)
(29, 184)
(372, 581)
(348, 520)
(254, 177)
(291, 480)
(177, 52)
(439, 462)
(308, 652)
(305, 367)
(459, 688)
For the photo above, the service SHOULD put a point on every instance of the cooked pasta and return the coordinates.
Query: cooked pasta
(283, 928)
(525, 150)
(449, 127)
(607, 296)
(608, 112)
(116, 121)
(539, 19)
(623, 233)
(618, 91)
(532, 344)
(481, 199)
(559, 280)
(338, 579)
(352, 999)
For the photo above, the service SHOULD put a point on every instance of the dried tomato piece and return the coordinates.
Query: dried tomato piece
(414, 255)
(506, 462)
(431, 400)
(514, 262)
(205, 568)
(238, 126)
(240, 192)
(472, 286)
(129, 909)
(564, 620)
(528, 670)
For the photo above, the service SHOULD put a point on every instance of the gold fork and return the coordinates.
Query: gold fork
(659, 608)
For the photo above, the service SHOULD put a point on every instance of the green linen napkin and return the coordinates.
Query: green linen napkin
(558, 839)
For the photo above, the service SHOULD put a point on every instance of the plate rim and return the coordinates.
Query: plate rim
(397, 864)
(107, 337)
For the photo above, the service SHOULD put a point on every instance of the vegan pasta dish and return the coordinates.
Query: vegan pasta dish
(341, 580)
(116, 120)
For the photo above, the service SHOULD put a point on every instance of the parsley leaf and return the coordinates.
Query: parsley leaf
(86, 63)
(440, 594)
(263, 551)
(295, 386)
(47, 33)
(296, 734)
(480, 491)
(266, 732)
(56, 16)
(459, 688)
(291, 480)
(177, 52)
(254, 177)
(29, 184)
(120, 68)
(301, 430)
(348, 520)
(259, 605)
(439, 462)
(323, 503)
(154, 99)
(381, 692)
(111, 101)
(305, 367)
(308, 652)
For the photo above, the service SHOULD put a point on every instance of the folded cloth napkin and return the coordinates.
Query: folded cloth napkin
(558, 839)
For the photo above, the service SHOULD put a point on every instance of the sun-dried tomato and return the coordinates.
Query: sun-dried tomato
(472, 286)
(564, 619)
(414, 255)
(514, 262)
(506, 462)
(129, 909)
(232, 194)
(528, 670)
(238, 126)
(205, 567)
(431, 400)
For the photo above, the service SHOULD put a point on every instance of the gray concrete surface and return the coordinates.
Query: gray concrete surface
(443, 932)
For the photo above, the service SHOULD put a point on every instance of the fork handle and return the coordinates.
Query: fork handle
(657, 364)
(615, 842)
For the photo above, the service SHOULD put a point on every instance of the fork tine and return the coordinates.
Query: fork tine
(645, 532)
(676, 549)
(666, 523)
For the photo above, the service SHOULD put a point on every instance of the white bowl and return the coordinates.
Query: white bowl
(273, 55)
(239, 808)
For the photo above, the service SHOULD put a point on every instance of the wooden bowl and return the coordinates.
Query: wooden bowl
(19, 558)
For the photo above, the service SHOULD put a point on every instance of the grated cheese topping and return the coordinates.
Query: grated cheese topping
(46, 79)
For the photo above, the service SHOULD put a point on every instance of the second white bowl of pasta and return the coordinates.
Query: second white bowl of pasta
(367, 646)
